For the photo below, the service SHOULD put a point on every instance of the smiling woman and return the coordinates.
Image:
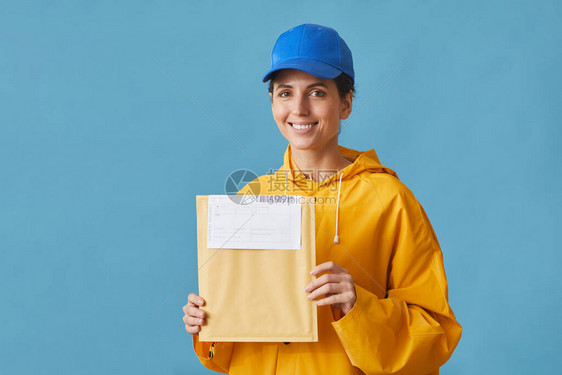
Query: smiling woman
(308, 110)
(381, 285)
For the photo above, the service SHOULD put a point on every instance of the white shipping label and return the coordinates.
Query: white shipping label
(256, 222)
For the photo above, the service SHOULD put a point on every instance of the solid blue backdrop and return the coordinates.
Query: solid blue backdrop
(113, 116)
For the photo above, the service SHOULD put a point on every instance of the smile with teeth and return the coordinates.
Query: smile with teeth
(303, 126)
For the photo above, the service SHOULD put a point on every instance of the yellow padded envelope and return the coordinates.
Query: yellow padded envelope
(257, 295)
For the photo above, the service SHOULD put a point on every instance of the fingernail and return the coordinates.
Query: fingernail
(200, 301)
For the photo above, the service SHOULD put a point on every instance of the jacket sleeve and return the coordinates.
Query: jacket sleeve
(413, 330)
(214, 356)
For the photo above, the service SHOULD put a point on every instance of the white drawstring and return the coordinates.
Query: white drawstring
(336, 238)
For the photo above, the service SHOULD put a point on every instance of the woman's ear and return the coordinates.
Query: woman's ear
(346, 105)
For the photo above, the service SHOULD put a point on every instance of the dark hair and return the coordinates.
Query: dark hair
(343, 82)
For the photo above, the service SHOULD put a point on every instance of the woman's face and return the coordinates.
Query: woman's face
(308, 109)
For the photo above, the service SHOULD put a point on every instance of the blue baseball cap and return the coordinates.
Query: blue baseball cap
(315, 49)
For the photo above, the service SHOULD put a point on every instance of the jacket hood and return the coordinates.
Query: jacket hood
(362, 161)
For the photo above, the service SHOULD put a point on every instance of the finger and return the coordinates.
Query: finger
(192, 330)
(327, 267)
(193, 311)
(329, 278)
(325, 290)
(192, 321)
(194, 299)
(343, 298)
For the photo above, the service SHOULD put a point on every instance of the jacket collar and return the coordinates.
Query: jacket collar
(361, 161)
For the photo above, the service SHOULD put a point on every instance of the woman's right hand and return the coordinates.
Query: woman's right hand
(194, 317)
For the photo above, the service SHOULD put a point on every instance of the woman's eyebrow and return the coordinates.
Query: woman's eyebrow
(317, 84)
(287, 86)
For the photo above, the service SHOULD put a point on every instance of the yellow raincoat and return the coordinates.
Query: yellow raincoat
(401, 322)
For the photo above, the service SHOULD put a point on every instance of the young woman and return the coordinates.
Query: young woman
(381, 284)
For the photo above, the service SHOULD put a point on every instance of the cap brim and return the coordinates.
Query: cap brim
(314, 67)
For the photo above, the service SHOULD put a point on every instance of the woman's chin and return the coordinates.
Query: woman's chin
(302, 146)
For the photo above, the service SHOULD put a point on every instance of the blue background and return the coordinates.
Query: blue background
(103, 148)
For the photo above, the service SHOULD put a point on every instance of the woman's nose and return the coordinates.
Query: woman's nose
(300, 106)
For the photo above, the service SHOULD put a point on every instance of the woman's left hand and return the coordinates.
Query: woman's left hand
(337, 286)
